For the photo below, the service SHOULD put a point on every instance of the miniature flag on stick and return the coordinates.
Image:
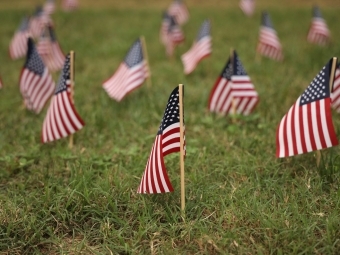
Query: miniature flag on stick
(169, 139)
(174, 36)
(18, 45)
(199, 50)
(308, 125)
(179, 10)
(318, 31)
(36, 83)
(62, 119)
(335, 96)
(269, 44)
(130, 74)
(247, 6)
(233, 91)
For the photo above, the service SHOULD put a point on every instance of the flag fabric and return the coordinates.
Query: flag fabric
(233, 91)
(155, 178)
(200, 49)
(44, 46)
(163, 33)
(49, 7)
(36, 83)
(269, 44)
(130, 74)
(37, 22)
(18, 44)
(69, 5)
(175, 36)
(179, 10)
(308, 125)
(247, 6)
(335, 96)
(61, 119)
(318, 31)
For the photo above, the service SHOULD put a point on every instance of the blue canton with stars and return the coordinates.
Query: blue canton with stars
(319, 88)
(266, 21)
(204, 30)
(33, 60)
(238, 67)
(227, 71)
(64, 76)
(171, 113)
(135, 54)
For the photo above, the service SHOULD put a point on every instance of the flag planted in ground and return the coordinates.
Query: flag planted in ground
(179, 10)
(247, 6)
(174, 36)
(200, 49)
(269, 44)
(130, 74)
(233, 91)
(36, 83)
(155, 178)
(62, 119)
(308, 125)
(18, 44)
(318, 31)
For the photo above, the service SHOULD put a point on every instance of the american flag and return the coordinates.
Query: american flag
(69, 5)
(247, 6)
(318, 31)
(44, 46)
(163, 33)
(49, 7)
(37, 22)
(179, 10)
(269, 44)
(233, 91)
(308, 125)
(61, 118)
(335, 96)
(175, 36)
(199, 50)
(18, 45)
(130, 74)
(36, 83)
(155, 178)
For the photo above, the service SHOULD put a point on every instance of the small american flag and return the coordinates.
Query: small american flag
(18, 45)
(61, 118)
(175, 36)
(155, 178)
(247, 6)
(37, 22)
(199, 50)
(49, 7)
(335, 96)
(36, 83)
(308, 125)
(44, 46)
(269, 44)
(318, 32)
(233, 91)
(180, 11)
(69, 5)
(130, 74)
(163, 33)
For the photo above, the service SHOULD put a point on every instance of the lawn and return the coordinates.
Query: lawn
(240, 199)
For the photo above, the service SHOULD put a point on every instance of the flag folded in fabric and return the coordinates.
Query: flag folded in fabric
(18, 45)
(200, 49)
(180, 11)
(130, 74)
(247, 6)
(308, 125)
(269, 44)
(174, 36)
(155, 178)
(61, 119)
(335, 96)
(318, 31)
(69, 5)
(36, 83)
(233, 91)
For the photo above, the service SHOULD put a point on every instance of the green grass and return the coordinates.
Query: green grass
(240, 199)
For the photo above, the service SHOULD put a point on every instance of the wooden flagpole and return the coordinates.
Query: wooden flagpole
(72, 89)
(145, 55)
(181, 132)
(331, 81)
